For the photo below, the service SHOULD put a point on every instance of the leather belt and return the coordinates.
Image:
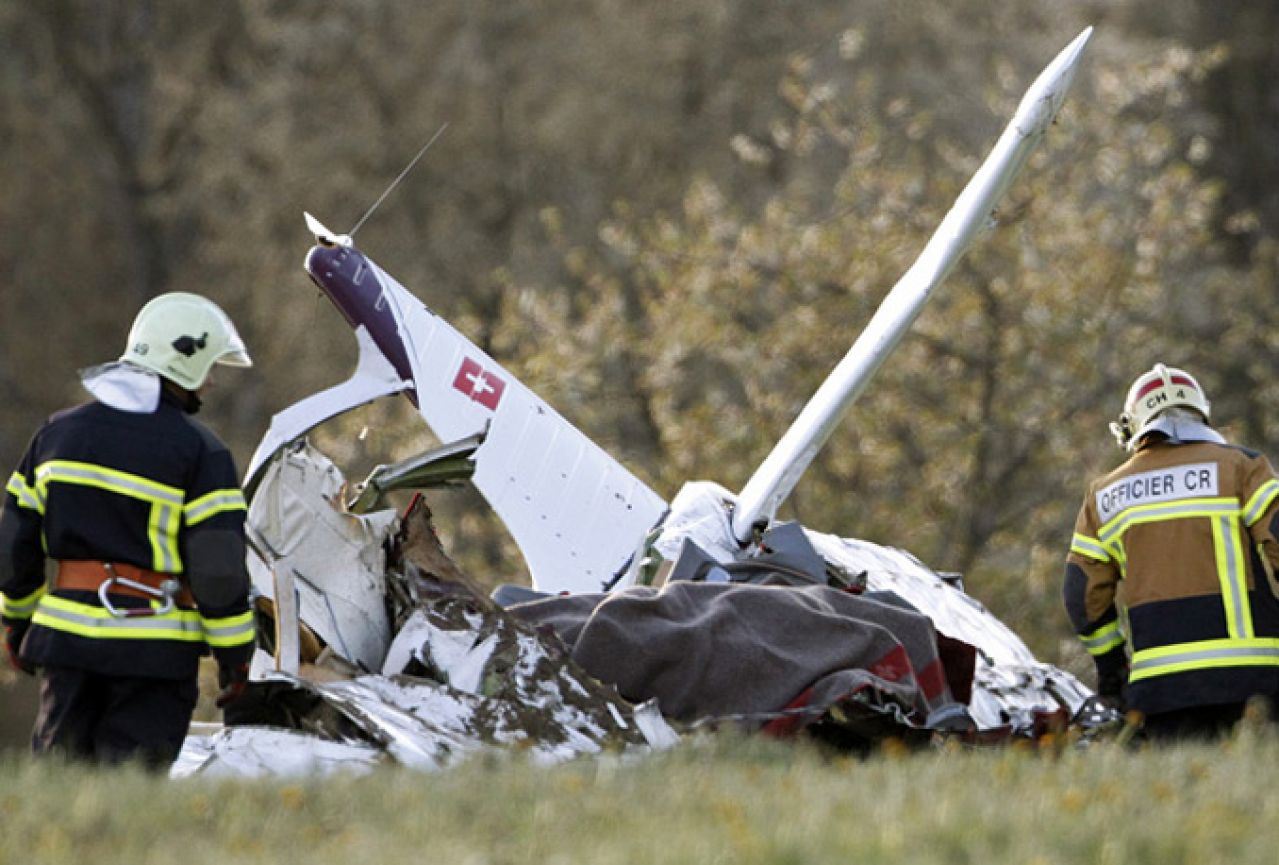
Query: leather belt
(89, 576)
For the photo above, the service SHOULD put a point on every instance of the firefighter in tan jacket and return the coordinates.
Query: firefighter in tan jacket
(1184, 534)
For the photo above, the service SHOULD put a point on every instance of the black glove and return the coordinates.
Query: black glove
(232, 681)
(1112, 678)
(13, 634)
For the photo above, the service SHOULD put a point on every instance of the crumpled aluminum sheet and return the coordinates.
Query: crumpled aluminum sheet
(1011, 687)
(335, 559)
(408, 723)
(457, 681)
(260, 752)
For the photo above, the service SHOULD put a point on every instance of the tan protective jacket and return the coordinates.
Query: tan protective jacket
(1183, 536)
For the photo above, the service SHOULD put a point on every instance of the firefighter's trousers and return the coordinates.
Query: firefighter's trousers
(112, 719)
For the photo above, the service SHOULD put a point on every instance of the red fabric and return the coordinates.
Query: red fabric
(783, 727)
(895, 666)
(932, 680)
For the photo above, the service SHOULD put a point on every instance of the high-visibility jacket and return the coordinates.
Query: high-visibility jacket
(1185, 537)
(152, 490)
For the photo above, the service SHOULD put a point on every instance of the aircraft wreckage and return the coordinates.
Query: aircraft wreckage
(645, 618)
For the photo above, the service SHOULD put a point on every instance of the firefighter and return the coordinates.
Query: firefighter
(1187, 527)
(138, 507)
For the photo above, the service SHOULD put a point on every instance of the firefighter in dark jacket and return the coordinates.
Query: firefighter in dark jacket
(138, 507)
(1185, 534)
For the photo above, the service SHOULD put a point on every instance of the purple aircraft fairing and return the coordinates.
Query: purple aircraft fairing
(346, 276)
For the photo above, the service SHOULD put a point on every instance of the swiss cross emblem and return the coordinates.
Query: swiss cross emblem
(480, 385)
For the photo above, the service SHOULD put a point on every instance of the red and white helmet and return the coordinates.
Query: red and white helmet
(1153, 393)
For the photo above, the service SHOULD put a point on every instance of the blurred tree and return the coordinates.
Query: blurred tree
(671, 220)
(1239, 96)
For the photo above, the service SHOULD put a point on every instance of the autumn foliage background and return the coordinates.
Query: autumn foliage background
(671, 220)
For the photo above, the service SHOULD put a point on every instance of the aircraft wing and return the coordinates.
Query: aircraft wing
(577, 514)
(791, 456)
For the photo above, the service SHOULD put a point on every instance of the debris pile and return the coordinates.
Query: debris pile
(377, 648)
(454, 673)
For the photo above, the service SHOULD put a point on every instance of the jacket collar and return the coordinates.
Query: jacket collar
(123, 386)
(1181, 430)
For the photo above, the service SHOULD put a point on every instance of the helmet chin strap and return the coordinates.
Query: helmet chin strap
(1122, 430)
(188, 399)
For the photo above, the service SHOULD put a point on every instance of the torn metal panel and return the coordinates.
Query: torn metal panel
(374, 377)
(336, 560)
(457, 657)
(448, 464)
(461, 677)
(256, 752)
(455, 676)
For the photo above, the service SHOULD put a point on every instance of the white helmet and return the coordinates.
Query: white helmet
(1153, 393)
(181, 336)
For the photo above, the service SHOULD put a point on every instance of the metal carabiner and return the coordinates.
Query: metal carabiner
(167, 591)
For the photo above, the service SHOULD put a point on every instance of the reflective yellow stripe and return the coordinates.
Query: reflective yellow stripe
(1121, 556)
(1223, 514)
(124, 483)
(1102, 640)
(20, 608)
(27, 496)
(86, 620)
(1232, 576)
(1260, 501)
(164, 520)
(162, 528)
(1089, 547)
(1182, 509)
(1204, 655)
(215, 502)
(230, 631)
(1115, 548)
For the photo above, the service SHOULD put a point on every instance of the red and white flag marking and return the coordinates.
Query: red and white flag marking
(480, 385)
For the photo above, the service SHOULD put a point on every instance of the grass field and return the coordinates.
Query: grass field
(724, 800)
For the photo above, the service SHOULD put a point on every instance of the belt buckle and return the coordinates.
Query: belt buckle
(168, 589)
